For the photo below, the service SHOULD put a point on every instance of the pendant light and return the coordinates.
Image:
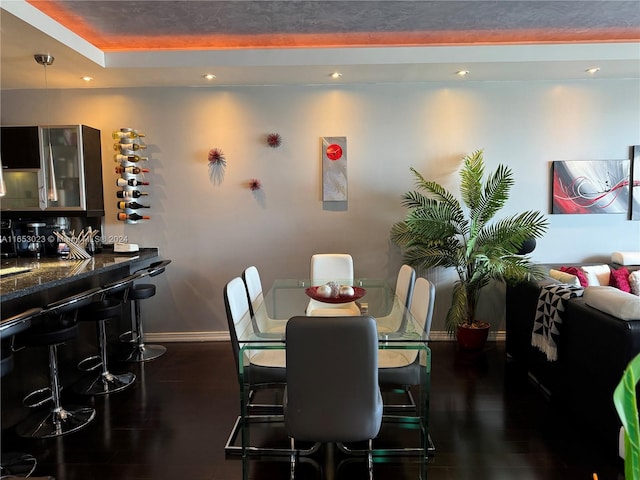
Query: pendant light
(52, 192)
(3, 188)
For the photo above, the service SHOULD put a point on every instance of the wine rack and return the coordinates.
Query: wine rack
(129, 157)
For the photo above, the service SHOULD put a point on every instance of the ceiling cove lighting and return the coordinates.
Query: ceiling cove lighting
(592, 70)
(208, 76)
(335, 75)
(462, 73)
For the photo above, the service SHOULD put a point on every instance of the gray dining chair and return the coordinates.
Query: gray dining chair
(332, 392)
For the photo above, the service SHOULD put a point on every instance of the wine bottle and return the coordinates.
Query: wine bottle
(126, 133)
(132, 182)
(123, 205)
(123, 217)
(129, 158)
(131, 170)
(128, 146)
(130, 194)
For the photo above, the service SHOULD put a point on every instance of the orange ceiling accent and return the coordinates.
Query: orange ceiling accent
(133, 42)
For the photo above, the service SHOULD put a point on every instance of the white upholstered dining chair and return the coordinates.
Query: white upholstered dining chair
(400, 369)
(327, 267)
(405, 282)
(261, 319)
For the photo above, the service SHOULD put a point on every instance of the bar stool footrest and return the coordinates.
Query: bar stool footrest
(128, 337)
(37, 398)
(90, 364)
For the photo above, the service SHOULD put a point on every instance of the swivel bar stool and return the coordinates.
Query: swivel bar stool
(108, 307)
(58, 325)
(140, 352)
(13, 463)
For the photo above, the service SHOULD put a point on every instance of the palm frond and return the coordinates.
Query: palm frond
(471, 179)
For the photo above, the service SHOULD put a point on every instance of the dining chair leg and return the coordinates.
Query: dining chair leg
(292, 474)
(370, 459)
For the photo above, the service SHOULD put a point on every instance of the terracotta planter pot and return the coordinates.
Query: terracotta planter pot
(473, 338)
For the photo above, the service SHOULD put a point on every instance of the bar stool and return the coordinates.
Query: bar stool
(58, 325)
(140, 352)
(108, 307)
(14, 463)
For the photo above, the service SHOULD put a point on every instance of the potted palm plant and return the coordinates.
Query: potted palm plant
(440, 230)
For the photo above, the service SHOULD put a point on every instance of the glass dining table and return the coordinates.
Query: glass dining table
(398, 331)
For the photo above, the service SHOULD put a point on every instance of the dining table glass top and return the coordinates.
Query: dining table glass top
(287, 298)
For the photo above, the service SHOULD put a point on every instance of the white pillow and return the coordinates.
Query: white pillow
(626, 258)
(634, 282)
(564, 277)
(597, 274)
(613, 301)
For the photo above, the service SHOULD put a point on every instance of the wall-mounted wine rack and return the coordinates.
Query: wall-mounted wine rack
(129, 148)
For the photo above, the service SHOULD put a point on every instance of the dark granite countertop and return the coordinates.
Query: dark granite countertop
(51, 272)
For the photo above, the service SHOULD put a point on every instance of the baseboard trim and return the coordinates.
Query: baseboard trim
(223, 336)
(168, 337)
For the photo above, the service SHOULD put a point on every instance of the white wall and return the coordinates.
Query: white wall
(212, 232)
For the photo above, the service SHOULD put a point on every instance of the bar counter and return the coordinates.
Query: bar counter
(52, 278)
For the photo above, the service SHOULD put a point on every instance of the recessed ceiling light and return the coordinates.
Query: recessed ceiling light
(592, 70)
(335, 75)
(209, 76)
(87, 79)
(462, 73)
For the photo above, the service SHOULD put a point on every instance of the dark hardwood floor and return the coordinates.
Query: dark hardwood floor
(487, 421)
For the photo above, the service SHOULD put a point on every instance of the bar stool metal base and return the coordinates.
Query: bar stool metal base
(56, 422)
(144, 353)
(104, 384)
(14, 465)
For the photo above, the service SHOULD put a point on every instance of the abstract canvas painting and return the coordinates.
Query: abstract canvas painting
(334, 169)
(591, 186)
(634, 209)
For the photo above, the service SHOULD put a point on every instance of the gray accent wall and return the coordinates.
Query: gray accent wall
(212, 232)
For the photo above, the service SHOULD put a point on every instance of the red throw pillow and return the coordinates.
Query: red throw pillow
(620, 279)
(582, 278)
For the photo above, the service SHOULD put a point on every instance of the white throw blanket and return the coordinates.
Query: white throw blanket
(549, 317)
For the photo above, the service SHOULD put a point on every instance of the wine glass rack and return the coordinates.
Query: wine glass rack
(130, 160)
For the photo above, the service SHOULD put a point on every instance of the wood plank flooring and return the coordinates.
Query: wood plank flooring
(487, 421)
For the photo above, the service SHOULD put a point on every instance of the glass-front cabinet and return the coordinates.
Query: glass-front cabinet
(52, 169)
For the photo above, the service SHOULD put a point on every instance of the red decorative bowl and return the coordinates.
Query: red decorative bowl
(358, 292)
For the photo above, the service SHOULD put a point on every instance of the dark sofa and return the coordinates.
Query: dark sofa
(593, 351)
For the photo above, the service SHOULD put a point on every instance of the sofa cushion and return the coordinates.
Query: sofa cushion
(582, 277)
(622, 305)
(634, 282)
(597, 274)
(565, 277)
(626, 258)
(620, 279)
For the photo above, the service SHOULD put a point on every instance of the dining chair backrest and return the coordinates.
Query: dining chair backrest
(422, 303)
(251, 278)
(238, 315)
(332, 379)
(331, 266)
(405, 283)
